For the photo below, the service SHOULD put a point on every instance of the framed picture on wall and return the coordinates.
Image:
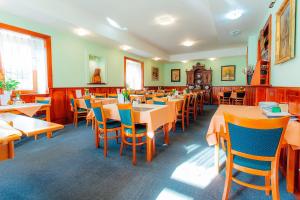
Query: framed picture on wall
(228, 73)
(285, 31)
(155, 74)
(175, 75)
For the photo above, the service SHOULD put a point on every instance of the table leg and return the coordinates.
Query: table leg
(49, 134)
(149, 149)
(166, 131)
(217, 155)
(290, 170)
(11, 150)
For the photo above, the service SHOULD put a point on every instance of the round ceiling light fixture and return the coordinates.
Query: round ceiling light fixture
(165, 20)
(235, 14)
(188, 43)
(235, 33)
(125, 47)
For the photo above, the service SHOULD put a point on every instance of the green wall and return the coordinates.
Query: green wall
(239, 61)
(284, 74)
(70, 56)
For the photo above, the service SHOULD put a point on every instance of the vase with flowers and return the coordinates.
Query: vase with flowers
(7, 87)
(126, 93)
(248, 71)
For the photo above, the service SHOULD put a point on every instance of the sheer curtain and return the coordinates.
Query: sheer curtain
(24, 59)
(133, 75)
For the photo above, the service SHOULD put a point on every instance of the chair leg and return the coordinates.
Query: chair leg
(267, 183)
(274, 184)
(117, 136)
(97, 138)
(105, 143)
(134, 151)
(153, 146)
(228, 178)
(187, 118)
(35, 137)
(182, 122)
(121, 147)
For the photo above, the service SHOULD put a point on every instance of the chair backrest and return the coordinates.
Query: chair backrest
(149, 96)
(113, 96)
(188, 100)
(126, 115)
(240, 94)
(159, 94)
(256, 139)
(185, 99)
(73, 104)
(100, 95)
(99, 112)
(160, 101)
(87, 101)
(43, 100)
(227, 94)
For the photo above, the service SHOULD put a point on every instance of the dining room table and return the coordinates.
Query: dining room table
(8, 135)
(28, 109)
(29, 126)
(154, 116)
(217, 130)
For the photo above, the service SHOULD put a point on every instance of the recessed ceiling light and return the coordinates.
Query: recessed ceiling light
(114, 24)
(235, 14)
(156, 58)
(165, 20)
(212, 59)
(235, 32)
(81, 31)
(184, 61)
(125, 47)
(188, 43)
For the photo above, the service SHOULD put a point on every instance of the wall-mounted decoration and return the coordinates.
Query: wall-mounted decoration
(155, 74)
(285, 31)
(175, 75)
(228, 73)
(97, 69)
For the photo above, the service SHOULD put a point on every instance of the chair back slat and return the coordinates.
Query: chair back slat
(99, 112)
(43, 100)
(227, 94)
(87, 101)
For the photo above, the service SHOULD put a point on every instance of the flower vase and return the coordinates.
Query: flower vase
(249, 78)
(5, 97)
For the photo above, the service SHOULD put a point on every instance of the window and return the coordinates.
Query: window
(24, 57)
(134, 74)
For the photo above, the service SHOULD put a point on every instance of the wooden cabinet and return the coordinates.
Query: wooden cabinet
(199, 78)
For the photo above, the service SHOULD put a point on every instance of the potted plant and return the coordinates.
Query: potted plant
(7, 87)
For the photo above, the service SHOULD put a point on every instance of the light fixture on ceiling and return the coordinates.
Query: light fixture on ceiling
(235, 14)
(235, 33)
(212, 59)
(125, 47)
(188, 43)
(114, 24)
(156, 58)
(184, 61)
(81, 31)
(272, 3)
(165, 20)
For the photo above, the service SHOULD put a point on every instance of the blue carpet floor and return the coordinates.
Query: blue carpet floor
(68, 166)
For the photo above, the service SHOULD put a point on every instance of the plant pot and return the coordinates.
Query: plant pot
(5, 97)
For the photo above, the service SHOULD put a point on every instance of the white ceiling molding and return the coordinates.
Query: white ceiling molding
(218, 53)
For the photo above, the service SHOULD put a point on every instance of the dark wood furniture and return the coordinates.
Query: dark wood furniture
(261, 74)
(199, 78)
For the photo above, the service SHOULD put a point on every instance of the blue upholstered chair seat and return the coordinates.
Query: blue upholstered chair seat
(253, 164)
(148, 98)
(159, 103)
(43, 101)
(139, 128)
(81, 110)
(39, 116)
(111, 124)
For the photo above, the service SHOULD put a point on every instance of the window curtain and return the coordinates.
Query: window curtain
(133, 75)
(23, 59)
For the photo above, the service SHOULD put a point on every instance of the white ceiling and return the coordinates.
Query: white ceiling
(200, 20)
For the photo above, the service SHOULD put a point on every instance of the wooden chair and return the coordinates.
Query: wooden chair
(115, 96)
(200, 98)
(160, 101)
(104, 127)
(159, 94)
(253, 147)
(88, 103)
(181, 113)
(186, 110)
(148, 97)
(192, 107)
(100, 95)
(240, 98)
(43, 100)
(77, 112)
(225, 99)
(130, 130)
